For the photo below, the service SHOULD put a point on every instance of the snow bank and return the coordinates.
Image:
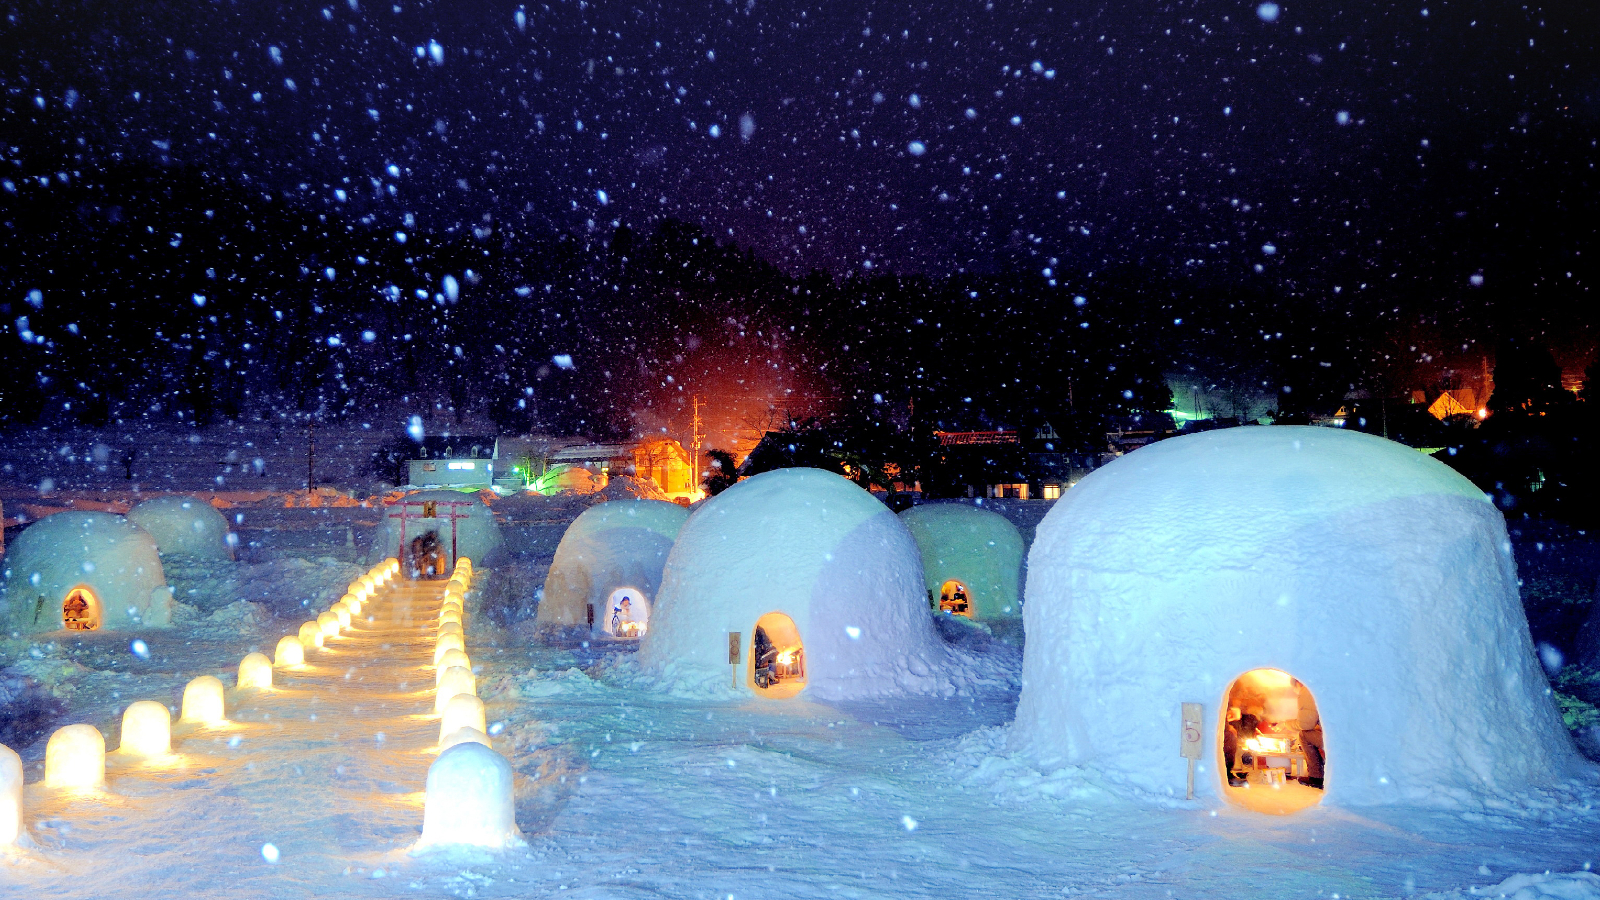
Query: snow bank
(184, 526)
(476, 535)
(1375, 575)
(611, 546)
(976, 547)
(1554, 886)
(111, 559)
(817, 548)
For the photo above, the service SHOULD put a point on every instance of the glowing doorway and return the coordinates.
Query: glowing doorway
(1272, 751)
(627, 614)
(777, 657)
(80, 611)
(954, 598)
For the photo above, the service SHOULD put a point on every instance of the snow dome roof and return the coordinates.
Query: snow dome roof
(477, 534)
(105, 553)
(819, 549)
(977, 547)
(613, 545)
(184, 526)
(1378, 577)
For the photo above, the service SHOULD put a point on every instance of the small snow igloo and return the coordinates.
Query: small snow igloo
(607, 568)
(184, 526)
(821, 582)
(84, 571)
(1344, 609)
(971, 560)
(429, 530)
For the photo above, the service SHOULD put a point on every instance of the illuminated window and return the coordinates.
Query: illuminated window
(1052, 492)
(461, 465)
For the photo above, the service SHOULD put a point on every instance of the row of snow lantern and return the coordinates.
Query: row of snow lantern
(292, 649)
(75, 755)
(468, 797)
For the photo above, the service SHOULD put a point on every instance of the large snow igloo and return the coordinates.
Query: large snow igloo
(821, 581)
(428, 530)
(84, 571)
(1357, 596)
(971, 560)
(607, 568)
(184, 526)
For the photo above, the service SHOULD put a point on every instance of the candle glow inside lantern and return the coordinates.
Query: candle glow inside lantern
(449, 659)
(255, 671)
(75, 758)
(462, 736)
(469, 800)
(202, 701)
(290, 652)
(450, 617)
(450, 628)
(146, 730)
(462, 711)
(343, 615)
(310, 635)
(328, 623)
(446, 643)
(455, 680)
(10, 796)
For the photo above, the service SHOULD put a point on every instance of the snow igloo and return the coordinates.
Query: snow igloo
(84, 571)
(607, 568)
(428, 530)
(1343, 608)
(184, 526)
(971, 560)
(821, 582)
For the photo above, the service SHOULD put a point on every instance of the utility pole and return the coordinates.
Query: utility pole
(311, 456)
(696, 434)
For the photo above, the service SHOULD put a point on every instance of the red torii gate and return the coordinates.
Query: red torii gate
(429, 510)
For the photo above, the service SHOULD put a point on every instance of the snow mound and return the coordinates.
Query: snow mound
(475, 535)
(976, 547)
(610, 547)
(818, 549)
(1376, 576)
(108, 562)
(184, 526)
(1554, 886)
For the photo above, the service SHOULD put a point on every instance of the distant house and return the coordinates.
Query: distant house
(461, 462)
(589, 467)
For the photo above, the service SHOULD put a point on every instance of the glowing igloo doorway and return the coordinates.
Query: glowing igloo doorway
(955, 599)
(626, 614)
(1272, 754)
(80, 611)
(777, 657)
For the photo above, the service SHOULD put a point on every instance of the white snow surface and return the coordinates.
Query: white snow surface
(818, 548)
(184, 526)
(477, 536)
(620, 544)
(106, 553)
(976, 547)
(1377, 576)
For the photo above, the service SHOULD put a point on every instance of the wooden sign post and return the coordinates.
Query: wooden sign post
(734, 638)
(1190, 747)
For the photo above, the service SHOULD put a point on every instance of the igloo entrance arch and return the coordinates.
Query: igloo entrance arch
(955, 599)
(626, 613)
(777, 657)
(80, 610)
(1272, 753)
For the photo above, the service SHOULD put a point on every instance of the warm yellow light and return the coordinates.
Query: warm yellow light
(354, 587)
(455, 680)
(348, 599)
(462, 711)
(75, 758)
(451, 596)
(463, 736)
(457, 584)
(355, 607)
(202, 701)
(469, 800)
(464, 561)
(450, 628)
(343, 614)
(255, 672)
(394, 566)
(310, 635)
(449, 615)
(448, 642)
(328, 623)
(448, 659)
(10, 796)
(290, 652)
(146, 730)
(368, 584)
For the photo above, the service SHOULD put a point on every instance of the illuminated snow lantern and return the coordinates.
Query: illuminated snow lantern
(75, 758)
(311, 635)
(289, 653)
(10, 797)
(185, 527)
(146, 730)
(203, 701)
(394, 566)
(449, 615)
(821, 582)
(607, 568)
(463, 736)
(83, 571)
(255, 672)
(450, 628)
(462, 711)
(328, 624)
(469, 800)
(342, 613)
(1351, 594)
(971, 561)
(431, 529)
(450, 659)
(452, 681)
(445, 644)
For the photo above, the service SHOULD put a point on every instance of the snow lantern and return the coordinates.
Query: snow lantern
(84, 571)
(289, 653)
(146, 730)
(203, 701)
(469, 800)
(184, 526)
(461, 736)
(447, 642)
(454, 680)
(1346, 603)
(255, 672)
(450, 659)
(607, 568)
(328, 624)
(10, 797)
(430, 529)
(75, 758)
(462, 711)
(971, 560)
(821, 582)
(311, 635)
